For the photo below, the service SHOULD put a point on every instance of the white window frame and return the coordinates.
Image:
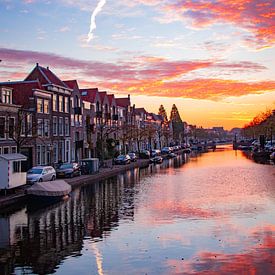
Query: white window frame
(40, 127)
(29, 125)
(13, 148)
(55, 126)
(67, 126)
(61, 126)
(46, 102)
(6, 147)
(6, 94)
(13, 118)
(39, 107)
(38, 154)
(66, 104)
(54, 103)
(60, 104)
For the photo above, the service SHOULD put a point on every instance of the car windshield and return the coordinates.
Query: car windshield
(121, 157)
(65, 166)
(35, 171)
(131, 154)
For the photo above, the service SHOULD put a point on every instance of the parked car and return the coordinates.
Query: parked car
(144, 154)
(166, 150)
(40, 173)
(122, 159)
(269, 145)
(171, 155)
(69, 170)
(156, 160)
(272, 156)
(155, 152)
(133, 156)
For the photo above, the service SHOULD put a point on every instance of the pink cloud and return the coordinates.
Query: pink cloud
(253, 15)
(146, 75)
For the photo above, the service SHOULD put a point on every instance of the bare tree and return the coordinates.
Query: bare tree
(22, 127)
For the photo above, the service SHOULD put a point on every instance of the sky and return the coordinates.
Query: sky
(214, 59)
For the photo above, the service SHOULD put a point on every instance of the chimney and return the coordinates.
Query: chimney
(37, 64)
(48, 68)
(128, 96)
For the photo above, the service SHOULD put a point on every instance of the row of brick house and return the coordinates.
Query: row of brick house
(51, 121)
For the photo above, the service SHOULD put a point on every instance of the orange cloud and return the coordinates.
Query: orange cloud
(253, 15)
(212, 89)
(144, 75)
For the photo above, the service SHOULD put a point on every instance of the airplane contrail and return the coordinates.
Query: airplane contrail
(97, 10)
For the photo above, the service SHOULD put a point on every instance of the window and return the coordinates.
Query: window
(61, 105)
(16, 166)
(11, 127)
(38, 154)
(55, 126)
(55, 152)
(39, 105)
(43, 154)
(67, 151)
(2, 127)
(67, 107)
(40, 127)
(67, 126)
(61, 126)
(72, 120)
(55, 103)
(6, 150)
(80, 120)
(0, 150)
(29, 125)
(46, 106)
(23, 126)
(6, 96)
(13, 150)
(46, 128)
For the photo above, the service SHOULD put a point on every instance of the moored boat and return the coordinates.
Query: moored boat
(49, 190)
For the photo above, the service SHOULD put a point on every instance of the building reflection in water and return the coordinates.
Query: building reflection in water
(36, 240)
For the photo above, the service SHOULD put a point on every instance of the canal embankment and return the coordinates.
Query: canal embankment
(105, 172)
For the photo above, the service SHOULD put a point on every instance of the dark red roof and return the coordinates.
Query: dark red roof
(89, 94)
(22, 91)
(72, 84)
(45, 76)
(102, 96)
(123, 102)
(140, 111)
(111, 98)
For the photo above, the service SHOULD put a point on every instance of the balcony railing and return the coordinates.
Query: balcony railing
(115, 117)
(77, 111)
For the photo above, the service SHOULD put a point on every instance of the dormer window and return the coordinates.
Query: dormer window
(6, 96)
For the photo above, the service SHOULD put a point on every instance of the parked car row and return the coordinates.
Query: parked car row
(155, 155)
(49, 173)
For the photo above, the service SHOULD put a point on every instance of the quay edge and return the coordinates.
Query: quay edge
(105, 173)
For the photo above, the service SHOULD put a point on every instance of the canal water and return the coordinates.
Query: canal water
(212, 213)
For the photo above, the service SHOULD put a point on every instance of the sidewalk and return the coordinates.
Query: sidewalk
(104, 173)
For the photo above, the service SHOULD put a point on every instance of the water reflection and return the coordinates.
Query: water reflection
(210, 213)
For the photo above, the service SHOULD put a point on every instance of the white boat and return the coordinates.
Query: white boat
(49, 189)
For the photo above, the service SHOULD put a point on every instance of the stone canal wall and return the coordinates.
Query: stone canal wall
(103, 173)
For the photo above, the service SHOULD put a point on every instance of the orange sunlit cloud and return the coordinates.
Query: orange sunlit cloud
(145, 75)
(251, 15)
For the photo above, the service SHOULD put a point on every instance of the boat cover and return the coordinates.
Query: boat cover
(50, 188)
